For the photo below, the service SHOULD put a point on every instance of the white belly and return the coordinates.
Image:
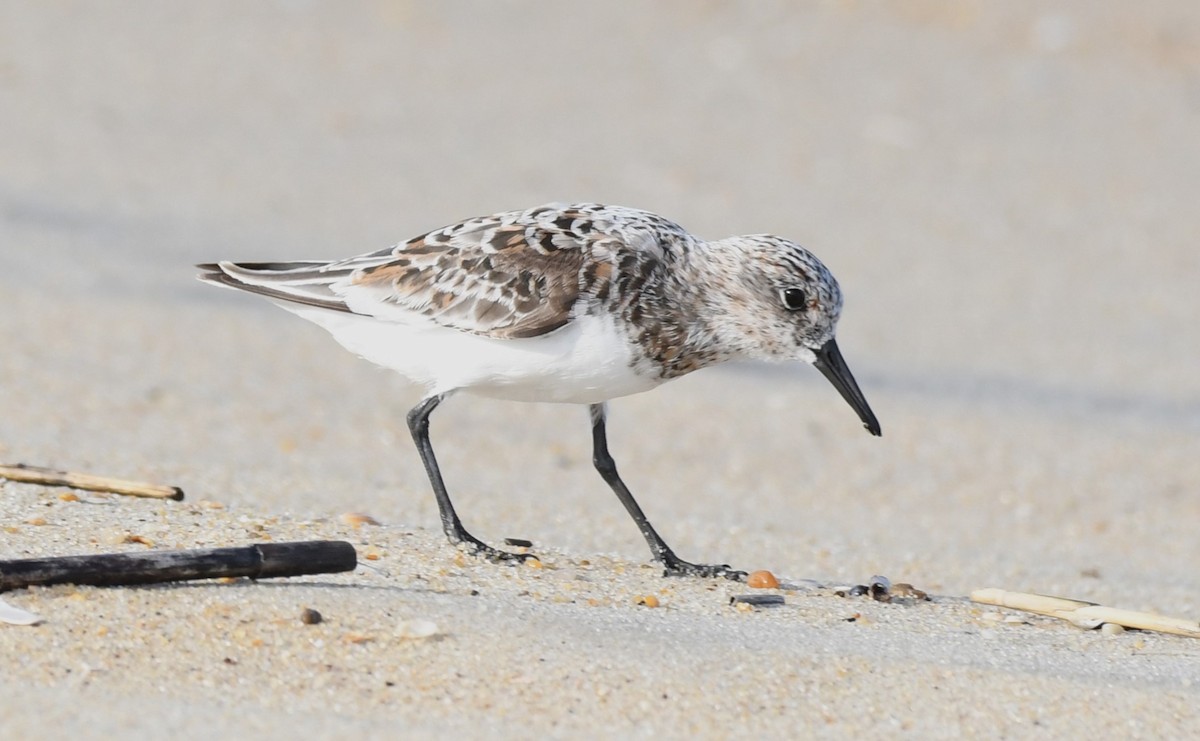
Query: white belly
(585, 362)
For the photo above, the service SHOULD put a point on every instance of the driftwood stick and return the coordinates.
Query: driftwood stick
(50, 477)
(260, 561)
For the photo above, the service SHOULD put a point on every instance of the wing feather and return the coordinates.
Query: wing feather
(508, 275)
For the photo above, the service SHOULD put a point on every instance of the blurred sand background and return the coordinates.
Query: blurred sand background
(1006, 191)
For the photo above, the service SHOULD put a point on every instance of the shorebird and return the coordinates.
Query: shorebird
(578, 303)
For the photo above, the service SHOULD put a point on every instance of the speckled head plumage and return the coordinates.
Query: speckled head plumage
(778, 298)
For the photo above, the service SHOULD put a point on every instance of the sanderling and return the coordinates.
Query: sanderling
(576, 303)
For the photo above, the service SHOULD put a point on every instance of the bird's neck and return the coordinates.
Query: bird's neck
(701, 327)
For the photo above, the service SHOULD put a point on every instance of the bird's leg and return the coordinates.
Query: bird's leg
(673, 565)
(418, 424)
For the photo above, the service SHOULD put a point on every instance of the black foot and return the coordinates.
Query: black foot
(478, 548)
(674, 566)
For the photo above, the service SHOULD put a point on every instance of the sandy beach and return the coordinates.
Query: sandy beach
(1006, 193)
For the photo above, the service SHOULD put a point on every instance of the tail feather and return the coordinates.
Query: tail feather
(308, 283)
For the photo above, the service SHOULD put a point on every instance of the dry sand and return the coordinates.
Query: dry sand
(1007, 192)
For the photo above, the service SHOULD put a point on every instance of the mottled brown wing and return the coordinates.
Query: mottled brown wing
(505, 276)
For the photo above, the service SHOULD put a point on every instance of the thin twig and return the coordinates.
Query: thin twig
(1086, 614)
(50, 477)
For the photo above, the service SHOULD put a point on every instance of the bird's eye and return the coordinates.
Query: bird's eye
(794, 299)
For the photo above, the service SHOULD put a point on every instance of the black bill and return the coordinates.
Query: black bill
(833, 366)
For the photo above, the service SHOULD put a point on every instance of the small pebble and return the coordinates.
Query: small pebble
(36, 521)
(879, 588)
(1112, 629)
(358, 519)
(309, 616)
(904, 589)
(518, 542)
(648, 600)
(417, 629)
(762, 580)
(68, 496)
